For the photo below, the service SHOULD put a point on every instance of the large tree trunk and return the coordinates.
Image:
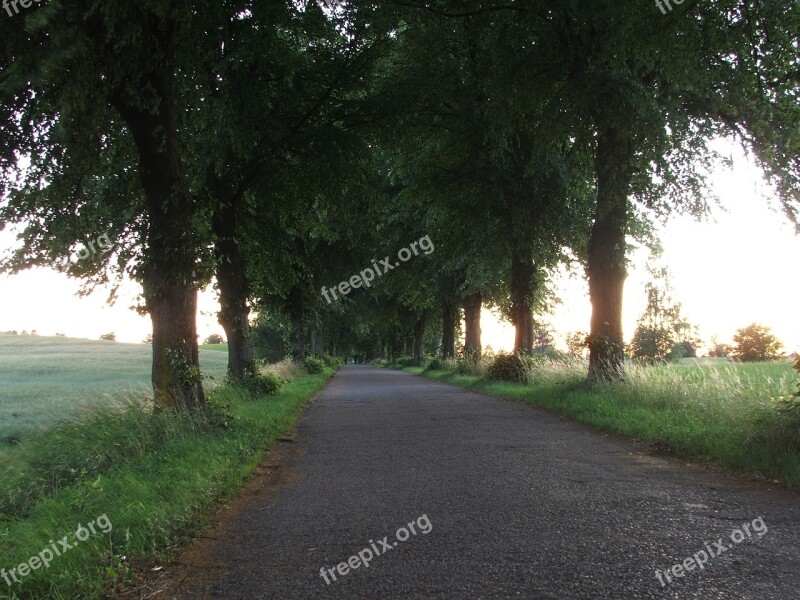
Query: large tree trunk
(234, 289)
(419, 339)
(523, 273)
(168, 266)
(472, 324)
(297, 314)
(449, 322)
(606, 260)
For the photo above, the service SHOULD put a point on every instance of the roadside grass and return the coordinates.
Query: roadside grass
(720, 412)
(157, 477)
(44, 380)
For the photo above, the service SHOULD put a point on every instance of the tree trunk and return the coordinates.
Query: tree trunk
(234, 289)
(419, 339)
(318, 342)
(606, 259)
(168, 267)
(449, 321)
(472, 324)
(523, 273)
(296, 312)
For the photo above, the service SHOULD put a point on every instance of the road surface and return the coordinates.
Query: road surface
(445, 493)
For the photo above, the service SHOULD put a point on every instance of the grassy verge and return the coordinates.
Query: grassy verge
(725, 414)
(153, 478)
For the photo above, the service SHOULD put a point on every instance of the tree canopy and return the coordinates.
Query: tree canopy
(279, 148)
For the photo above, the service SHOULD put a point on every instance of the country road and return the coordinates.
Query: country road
(451, 494)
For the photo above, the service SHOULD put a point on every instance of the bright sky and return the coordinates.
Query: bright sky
(728, 273)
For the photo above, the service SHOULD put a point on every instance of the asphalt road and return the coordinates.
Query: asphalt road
(506, 501)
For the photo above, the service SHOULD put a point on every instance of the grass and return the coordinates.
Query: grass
(214, 347)
(44, 380)
(155, 477)
(720, 412)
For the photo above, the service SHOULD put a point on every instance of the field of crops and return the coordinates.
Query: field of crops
(44, 380)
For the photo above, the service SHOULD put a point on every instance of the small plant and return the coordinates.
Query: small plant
(314, 365)
(267, 384)
(437, 364)
(509, 367)
(188, 375)
(333, 362)
(218, 412)
(406, 361)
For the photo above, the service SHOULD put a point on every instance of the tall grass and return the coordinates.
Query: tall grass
(287, 369)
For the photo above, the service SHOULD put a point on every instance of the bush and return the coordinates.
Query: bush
(214, 338)
(267, 384)
(109, 337)
(333, 362)
(314, 365)
(437, 364)
(720, 350)
(509, 367)
(405, 361)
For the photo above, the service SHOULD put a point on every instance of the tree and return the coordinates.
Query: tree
(542, 338)
(577, 344)
(756, 343)
(109, 337)
(214, 339)
(110, 118)
(718, 349)
(662, 332)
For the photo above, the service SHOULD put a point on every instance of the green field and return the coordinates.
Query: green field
(44, 380)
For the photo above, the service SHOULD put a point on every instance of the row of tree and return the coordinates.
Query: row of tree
(279, 147)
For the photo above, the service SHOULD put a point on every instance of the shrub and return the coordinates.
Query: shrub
(437, 364)
(109, 337)
(720, 350)
(214, 338)
(314, 365)
(509, 367)
(334, 362)
(267, 384)
(405, 361)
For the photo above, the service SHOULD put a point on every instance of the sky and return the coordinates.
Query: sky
(733, 270)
